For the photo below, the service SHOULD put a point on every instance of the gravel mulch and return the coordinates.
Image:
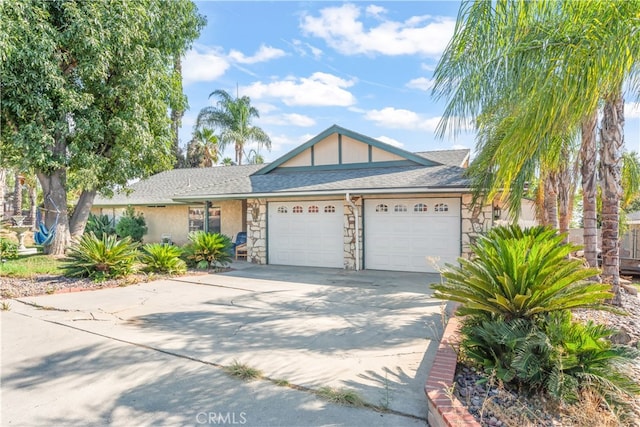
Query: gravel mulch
(11, 287)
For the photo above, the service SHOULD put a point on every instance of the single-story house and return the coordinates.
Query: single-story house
(341, 199)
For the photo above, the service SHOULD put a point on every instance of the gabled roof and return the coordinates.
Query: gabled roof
(385, 179)
(411, 157)
(458, 158)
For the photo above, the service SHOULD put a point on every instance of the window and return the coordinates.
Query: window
(382, 208)
(420, 207)
(297, 209)
(197, 219)
(441, 207)
(313, 209)
(282, 209)
(329, 209)
(400, 208)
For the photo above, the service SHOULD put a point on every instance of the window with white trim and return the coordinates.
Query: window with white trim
(313, 209)
(420, 207)
(400, 208)
(441, 207)
(382, 208)
(282, 209)
(297, 209)
(329, 209)
(197, 219)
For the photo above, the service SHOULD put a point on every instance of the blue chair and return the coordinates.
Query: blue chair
(240, 245)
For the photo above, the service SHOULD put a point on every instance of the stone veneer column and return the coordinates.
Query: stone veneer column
(475, 221)
(349, 235)
(257, 231)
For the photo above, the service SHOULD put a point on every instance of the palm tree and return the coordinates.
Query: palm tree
(210, 145)
(232, 116)
(541, 69)
(254, 157)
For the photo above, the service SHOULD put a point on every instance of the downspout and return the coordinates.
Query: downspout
(357, 233)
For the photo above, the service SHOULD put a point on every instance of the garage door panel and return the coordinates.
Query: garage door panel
(306, 233)
(412, 240)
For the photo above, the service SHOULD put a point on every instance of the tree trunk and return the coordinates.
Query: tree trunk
(551, 200)
(176, 118)
(612, 140)
(238, 153)
(565, 187)
(55, 205)
(588, 157)
(33, 205)
(81, 213)
(17, 195)
(3, 189)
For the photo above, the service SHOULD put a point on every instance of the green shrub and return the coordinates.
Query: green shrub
(131, 225)
(101, 259)
(163, 258)
(519, 273)
(555, 356)
(8, 249)
(100, 225)
(207, 250)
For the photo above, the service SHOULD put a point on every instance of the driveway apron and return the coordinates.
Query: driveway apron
(154, 353)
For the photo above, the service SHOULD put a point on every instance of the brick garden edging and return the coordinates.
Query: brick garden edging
(445, 410)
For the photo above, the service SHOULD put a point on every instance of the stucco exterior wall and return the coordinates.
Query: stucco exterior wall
(173, 220)
(302, 159)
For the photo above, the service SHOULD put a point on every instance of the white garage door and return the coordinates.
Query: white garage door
(306, 233)
(411, 234)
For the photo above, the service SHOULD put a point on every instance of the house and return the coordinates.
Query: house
(341, 199)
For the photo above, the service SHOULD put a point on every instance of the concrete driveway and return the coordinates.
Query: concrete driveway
(153, 353)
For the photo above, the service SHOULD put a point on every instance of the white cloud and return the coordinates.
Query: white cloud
(292, 119)
(390, 141)
(264, 53)
(421, 83)
(320, 89)
(402, 119)
(203, 65)
(341, 29)
(459, 147)
(263, 107)
(301, 48)
(632, 110)
(427, 67)
(376, 11)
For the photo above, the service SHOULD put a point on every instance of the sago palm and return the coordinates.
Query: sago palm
(517, 273)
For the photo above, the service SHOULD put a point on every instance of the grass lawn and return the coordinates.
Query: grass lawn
(31, 265)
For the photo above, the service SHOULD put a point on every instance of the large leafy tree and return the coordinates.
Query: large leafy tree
(233, 117)
(86, 89)
(536, 72)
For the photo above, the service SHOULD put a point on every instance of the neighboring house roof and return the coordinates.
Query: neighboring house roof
(448, 157)
(389, 170)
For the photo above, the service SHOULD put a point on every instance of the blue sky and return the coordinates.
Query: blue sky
(366, 66)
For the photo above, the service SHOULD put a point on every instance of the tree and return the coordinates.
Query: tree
(3, 189)
(210, 147)
(86, 87)
(232, 116)
(541, 69)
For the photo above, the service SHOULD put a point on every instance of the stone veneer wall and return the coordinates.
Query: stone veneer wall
(475, 220)
(257, 231)
(349, 235)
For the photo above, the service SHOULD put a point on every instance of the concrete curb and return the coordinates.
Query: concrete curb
(445, 410)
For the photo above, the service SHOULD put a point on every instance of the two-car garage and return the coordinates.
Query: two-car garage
(412, 234)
